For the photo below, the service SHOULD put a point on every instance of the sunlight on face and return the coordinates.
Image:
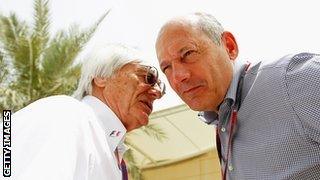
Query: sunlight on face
(198, 70)
(130, 96)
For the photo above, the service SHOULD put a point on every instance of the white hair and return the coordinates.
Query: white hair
(104, 61)
(209, 25)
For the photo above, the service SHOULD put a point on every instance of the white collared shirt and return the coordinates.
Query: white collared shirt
(114, 129)
(61, 138)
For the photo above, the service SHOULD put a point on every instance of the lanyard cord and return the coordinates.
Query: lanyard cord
(233, 119)
(232, 123)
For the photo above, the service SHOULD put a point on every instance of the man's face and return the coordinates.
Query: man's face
(197, 69)
(129, 96)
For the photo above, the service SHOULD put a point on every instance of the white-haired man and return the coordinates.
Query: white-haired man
(267, 117)
(66, 138)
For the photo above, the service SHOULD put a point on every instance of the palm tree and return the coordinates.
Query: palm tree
(34, 65)
(40, 65)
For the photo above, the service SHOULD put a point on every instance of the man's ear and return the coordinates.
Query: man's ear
(231, 45)
(99, 81)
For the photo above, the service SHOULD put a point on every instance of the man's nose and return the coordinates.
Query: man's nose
(155, 93)
(180, 73)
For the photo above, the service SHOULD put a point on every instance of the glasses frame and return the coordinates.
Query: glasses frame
(153, 72)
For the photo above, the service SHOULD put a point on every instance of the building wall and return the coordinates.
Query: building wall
(202, 167)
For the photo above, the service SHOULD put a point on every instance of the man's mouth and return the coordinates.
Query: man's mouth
(148, 104)
(190, 90)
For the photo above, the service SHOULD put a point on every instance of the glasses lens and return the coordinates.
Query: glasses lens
(152, 76)
(152, 79)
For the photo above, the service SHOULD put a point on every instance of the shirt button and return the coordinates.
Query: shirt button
(223, 129)
(230, 168)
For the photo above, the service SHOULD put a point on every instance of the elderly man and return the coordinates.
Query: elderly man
(64, 138)
(267, 116)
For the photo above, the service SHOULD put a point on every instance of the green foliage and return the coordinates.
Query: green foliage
(132, 167)
(150, 130)
(35, 64)
(154, 131)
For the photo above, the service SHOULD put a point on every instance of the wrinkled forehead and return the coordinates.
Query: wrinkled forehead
(180, 27)
(178, 22)
(128, 68)
(175, 36)
(136, 66)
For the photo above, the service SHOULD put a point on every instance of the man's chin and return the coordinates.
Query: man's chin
(144, 119)
(193, 103)
(198, 106)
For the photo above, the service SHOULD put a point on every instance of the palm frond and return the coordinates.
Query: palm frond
(132, 167)
(17, 46)
(12, 99)
(66, 83)
(13, 33)
(58, 58)
(41, 24)
(40, 34)
(86, 35)
(151, 130)
(65, 46)
(3, 68)
(154, 131)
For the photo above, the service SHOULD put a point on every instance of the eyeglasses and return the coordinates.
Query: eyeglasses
(153, 80)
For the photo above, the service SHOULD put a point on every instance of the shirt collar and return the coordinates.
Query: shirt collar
(239, 67)
(111, 124)
(211, 117)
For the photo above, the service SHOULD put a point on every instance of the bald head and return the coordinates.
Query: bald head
(204, 22)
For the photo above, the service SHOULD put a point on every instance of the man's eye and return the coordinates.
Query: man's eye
(164, 69)
(188, 53)
(151, 78)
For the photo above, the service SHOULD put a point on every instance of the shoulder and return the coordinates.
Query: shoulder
(54, 111)
(59, 101)
(300, 74)
(304, 63)
(55, 130)
(303, 85)
(292, 62)
(303, 70)
(53, 105)
(43, 103)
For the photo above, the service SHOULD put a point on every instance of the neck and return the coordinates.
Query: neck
(109, 102)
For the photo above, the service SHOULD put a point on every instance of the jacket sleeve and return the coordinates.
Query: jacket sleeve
(303, 87)
(48, 143)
